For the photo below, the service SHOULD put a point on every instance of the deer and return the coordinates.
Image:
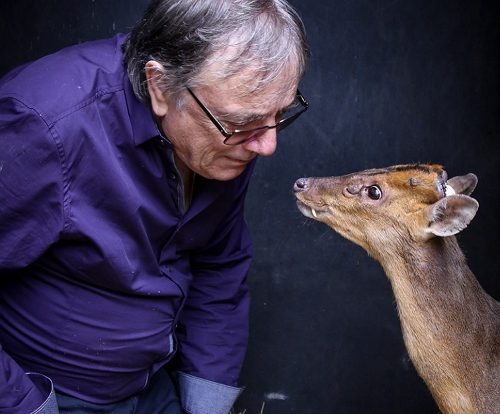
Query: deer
(407, 217)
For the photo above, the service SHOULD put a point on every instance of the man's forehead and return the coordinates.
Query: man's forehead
(251, 79)
(241, 91)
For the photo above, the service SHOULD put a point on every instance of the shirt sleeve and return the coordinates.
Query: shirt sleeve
(200, 396)
(213, 328)
(31, 207)
(22, 393)
(30, 220)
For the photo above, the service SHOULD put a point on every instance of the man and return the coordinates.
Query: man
(123, 171)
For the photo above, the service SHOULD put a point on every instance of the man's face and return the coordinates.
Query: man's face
(200, 145)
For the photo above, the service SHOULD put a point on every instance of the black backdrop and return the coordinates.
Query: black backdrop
(389, 82)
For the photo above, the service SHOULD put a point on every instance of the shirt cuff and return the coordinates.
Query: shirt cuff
(44, 384)
(201, 396)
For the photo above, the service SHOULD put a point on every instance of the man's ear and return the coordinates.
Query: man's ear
(154, 72)
(450, 215)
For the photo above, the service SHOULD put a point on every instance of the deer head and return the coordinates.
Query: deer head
(390, 207)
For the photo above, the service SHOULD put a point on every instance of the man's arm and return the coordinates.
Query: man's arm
(31, 193)
(213, 328)
(30, 220)
(22, 393)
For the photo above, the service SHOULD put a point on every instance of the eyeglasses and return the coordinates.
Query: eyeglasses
(239, 136)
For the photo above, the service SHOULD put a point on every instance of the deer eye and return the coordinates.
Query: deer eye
(374, 192)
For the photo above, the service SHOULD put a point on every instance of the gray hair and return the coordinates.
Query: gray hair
(187, 36)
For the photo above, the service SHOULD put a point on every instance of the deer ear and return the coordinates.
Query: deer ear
(450, 215)
(464, 184)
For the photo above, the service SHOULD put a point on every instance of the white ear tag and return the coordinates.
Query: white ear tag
(449, 190)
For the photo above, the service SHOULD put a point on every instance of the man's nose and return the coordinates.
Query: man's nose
(264, 144)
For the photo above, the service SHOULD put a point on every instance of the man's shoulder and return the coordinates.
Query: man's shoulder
(68, 78)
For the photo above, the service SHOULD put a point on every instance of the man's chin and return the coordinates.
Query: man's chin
(225, 174)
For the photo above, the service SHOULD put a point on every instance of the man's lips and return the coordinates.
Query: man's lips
(239, 161)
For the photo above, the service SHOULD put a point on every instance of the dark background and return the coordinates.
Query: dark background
(389, 82)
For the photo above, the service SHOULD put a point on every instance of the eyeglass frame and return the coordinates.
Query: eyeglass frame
(229, 134)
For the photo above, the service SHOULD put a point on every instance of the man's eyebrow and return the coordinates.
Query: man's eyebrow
(243, 118)
(249, 117)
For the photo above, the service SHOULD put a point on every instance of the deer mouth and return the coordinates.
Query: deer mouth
(309, 211)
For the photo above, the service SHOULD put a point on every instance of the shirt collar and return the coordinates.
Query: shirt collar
(141, 117)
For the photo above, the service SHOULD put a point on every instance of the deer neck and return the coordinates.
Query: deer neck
(437, 294)
(438, 264)
(433, 278)
(440, 300)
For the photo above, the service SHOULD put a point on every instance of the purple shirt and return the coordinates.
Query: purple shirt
(103, 274)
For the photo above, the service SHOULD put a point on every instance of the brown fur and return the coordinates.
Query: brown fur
(450, 325)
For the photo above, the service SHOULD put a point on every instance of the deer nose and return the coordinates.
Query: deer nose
(302, 184)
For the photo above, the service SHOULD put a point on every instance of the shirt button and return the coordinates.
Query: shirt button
(172, 176)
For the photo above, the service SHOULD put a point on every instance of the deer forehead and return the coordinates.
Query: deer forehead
(427, 188)
(408, 186)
